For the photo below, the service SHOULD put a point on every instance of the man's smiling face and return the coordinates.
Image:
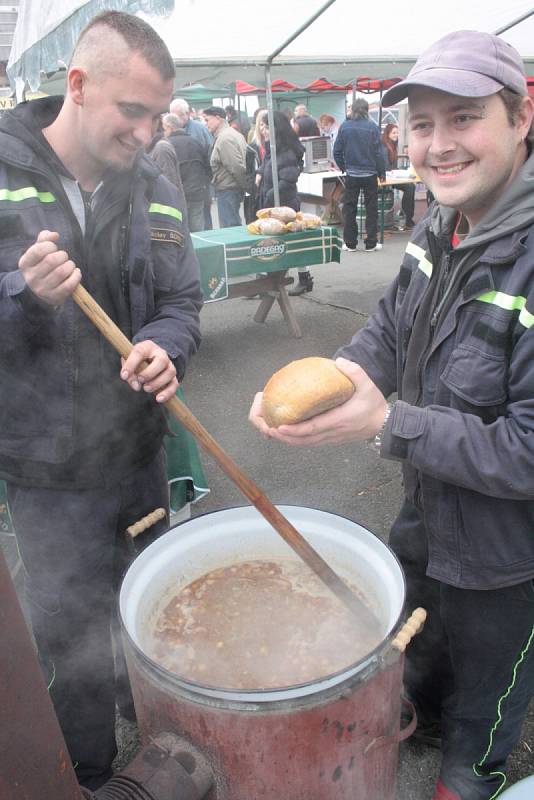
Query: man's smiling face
(120, 114)
(464, 148)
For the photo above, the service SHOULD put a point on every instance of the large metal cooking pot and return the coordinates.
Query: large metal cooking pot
(332, 739)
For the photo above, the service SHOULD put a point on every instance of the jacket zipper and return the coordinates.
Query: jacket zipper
(444, 291)
(442, 294)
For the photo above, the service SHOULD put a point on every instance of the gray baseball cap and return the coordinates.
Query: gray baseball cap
(465, 63)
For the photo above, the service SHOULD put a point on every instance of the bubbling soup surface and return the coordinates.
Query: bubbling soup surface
(258, 625)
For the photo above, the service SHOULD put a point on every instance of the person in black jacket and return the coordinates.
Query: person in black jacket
(162, 152)
(81, 435)
(303, 124)
(290, 161)
(194, 168)
(238, 120)
(252, 164)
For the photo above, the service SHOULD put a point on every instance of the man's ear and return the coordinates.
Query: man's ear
(525, 116)
(76, 79)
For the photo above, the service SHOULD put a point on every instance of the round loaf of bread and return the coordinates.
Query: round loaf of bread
(302, 389)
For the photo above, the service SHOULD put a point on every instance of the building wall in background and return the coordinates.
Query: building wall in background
(8, 20)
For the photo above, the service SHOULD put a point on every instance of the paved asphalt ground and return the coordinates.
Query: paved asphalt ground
(236, 359)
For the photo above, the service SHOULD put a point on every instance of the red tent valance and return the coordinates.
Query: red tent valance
(374, 84)
(278, 85)
(319, 85)
(323, 85)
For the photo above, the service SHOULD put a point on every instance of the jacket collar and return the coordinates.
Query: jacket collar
(439, 226)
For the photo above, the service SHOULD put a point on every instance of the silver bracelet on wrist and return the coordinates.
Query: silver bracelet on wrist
(376, 442)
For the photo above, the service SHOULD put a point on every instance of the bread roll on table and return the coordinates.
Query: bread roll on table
(302, 389)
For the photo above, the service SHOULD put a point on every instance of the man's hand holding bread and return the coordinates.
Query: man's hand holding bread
(334, 402)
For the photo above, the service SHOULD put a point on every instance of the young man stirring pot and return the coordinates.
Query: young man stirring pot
(82, 454)
(454, 337)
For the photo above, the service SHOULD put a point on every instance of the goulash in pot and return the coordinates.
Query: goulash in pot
(258, 625)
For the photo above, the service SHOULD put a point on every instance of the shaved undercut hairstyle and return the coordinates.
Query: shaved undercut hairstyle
(112, 36)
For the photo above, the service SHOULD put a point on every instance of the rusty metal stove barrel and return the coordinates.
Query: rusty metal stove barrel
(336, 738)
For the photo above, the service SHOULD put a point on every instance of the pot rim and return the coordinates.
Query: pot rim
(252, 697)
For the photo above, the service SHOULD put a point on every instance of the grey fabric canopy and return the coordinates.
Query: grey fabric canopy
(215, 43)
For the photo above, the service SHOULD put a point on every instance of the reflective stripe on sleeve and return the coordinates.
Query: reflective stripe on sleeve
(422, 262)
(509, 302)
(16, 195)
(170, 211)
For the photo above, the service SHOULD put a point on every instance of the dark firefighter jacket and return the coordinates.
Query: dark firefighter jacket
(454, 336)
(64, 412)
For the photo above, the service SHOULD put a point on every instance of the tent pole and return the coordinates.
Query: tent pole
(380, 106)
(272, 133)
(237, 102)
(269, 95)
(300, 30)
(514, 22)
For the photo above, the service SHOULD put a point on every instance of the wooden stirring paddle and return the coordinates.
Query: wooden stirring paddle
(258, 498)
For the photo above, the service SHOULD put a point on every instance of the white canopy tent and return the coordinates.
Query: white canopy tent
(215, 43)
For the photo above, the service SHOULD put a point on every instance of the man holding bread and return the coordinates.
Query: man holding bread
(454, 337)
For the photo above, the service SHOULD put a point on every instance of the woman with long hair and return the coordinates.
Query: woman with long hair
(289, 164)
(390, 140)
(257, 140)
(253, 160)
(289, 161)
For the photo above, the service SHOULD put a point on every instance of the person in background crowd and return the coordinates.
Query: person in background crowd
(454, 337)
(258, 139)
(390, 138)
(288, 112)
(304, 124)
(198, 130)
(252, 132)
(358, 153)
(193, 168)
(162, 153)
(81, 446)
(328, 126)
(237, 120)
(228, 165)
(289, 160)
(254, 159)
